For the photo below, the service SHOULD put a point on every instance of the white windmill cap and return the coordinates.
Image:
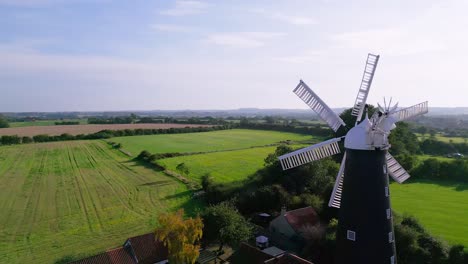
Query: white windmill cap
(358, 136)
(388, 123)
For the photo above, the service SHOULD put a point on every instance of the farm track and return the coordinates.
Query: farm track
(75, 198)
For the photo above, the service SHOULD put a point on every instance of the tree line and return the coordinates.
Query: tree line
(104, 134)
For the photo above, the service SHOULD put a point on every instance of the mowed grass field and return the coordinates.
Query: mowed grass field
(224, 167)
(441, 207)
(207, 141)
(77, 198)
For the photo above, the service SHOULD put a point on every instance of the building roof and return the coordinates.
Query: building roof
(291, 259)
(249, 254)
(147, 249)
(273, 251)
(113, 256)
(301, 217)
(142, 249)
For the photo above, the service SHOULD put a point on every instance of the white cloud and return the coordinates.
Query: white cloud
(186, 7)
(290, 19)
(243, 39)
(393, 41)
(171, 28)
(305, 57)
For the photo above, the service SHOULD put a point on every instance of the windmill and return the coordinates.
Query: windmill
(361, 191)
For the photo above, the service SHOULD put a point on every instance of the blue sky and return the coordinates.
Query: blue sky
(82, 55)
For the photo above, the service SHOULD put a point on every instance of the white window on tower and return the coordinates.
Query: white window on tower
(389, 213)
(385, 169)
(392, 260)
(390, 237)
(351, 235)
(386, 191)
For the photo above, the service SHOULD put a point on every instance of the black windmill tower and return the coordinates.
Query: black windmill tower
(361, 192)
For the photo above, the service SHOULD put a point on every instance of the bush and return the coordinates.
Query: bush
(10, 140)
(144, 155)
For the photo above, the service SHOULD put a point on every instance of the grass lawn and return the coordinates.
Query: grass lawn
(441, 207)
(77, 198)
(207, 141)
(46, 122)
(225, 166)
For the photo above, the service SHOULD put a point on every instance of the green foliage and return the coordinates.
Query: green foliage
(415, 245)
(144, 155)
(3, 122)
(457, 255)
(273, 157)
(224, 224)
(10, 140)
(403, 141)
(435, 169)
(207, 181)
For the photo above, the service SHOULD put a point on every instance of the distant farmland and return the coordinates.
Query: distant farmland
(212, 141)
(83, 129)
(77, 197)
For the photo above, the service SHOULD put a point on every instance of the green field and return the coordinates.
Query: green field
(45, 122)
(442, 138)
(421, 158)
(73, 198)
(442, 208)
(207, 141)
(224, 167)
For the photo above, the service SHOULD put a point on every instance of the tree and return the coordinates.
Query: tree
(273, 157)
(180, 236)
(182, 168)
(3, 122)
(350, 120)
(457, 255)
(223, 223)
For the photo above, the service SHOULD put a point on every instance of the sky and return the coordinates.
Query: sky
(104, 55)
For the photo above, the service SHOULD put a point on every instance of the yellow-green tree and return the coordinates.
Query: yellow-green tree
(180, 236)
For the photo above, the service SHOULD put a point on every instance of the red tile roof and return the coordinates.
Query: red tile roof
(250, 254)
(144, 248)
(113, 256)
(301, 217)
(147, 249)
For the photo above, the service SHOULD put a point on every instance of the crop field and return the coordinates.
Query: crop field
(77, 198)
(45, 122)
(441, 207)
(207, 141)
(224, 167)
(83, 129)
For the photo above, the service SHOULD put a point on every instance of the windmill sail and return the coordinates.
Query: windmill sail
(316, 104)
(308, 154)
(395, 170)
(335, 198)
(415, 110)
(367, 77)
